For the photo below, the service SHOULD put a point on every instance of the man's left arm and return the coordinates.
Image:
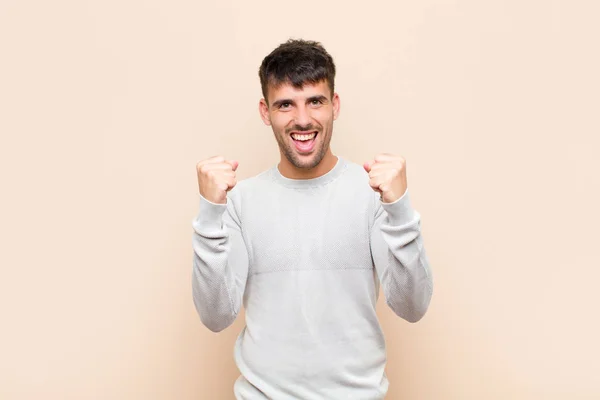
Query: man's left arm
(396, 242)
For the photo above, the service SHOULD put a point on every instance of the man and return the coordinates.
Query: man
(305, 246)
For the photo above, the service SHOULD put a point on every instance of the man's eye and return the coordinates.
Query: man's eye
(285, 105)
(316, 102)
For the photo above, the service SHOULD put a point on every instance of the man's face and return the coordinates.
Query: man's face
(302, 121)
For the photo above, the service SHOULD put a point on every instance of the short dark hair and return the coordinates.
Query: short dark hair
(298, 62)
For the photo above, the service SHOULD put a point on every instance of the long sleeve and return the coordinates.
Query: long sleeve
(400, 258)
(220, 264)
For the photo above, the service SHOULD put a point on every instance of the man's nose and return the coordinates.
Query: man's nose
(302, 116)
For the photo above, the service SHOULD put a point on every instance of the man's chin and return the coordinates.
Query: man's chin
(304, 161)
(307, 162)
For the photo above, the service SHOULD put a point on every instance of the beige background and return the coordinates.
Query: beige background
(106, 106)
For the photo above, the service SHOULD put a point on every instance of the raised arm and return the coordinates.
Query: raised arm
(220, 260)
(400, 259)
(396, 242)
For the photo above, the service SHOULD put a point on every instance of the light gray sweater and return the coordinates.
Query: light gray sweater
(306, 259)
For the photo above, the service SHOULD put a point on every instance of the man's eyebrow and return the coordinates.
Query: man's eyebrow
(277, 103)
(318, 97)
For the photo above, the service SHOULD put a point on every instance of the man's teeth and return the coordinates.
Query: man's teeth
(310, 136)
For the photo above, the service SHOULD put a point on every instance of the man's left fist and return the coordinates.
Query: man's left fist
(387, 175)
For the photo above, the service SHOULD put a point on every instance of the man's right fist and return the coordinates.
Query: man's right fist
(216, 176)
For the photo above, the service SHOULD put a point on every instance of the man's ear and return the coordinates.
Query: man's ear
(263, 109)
(336, 106)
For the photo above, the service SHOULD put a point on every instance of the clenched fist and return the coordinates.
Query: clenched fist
(387, 175)
(216, 176)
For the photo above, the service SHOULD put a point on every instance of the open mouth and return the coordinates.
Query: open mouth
(303, 137)
(304, 141)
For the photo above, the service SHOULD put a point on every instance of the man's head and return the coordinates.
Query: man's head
(297, 80)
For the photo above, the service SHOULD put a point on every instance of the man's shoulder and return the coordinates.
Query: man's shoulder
(356, 184)
(355, 170)
(255, 183)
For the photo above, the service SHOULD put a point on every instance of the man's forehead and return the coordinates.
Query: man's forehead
(308, 89)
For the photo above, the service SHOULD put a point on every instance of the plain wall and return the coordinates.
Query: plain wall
(107, 106)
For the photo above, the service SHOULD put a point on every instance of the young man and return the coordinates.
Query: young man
(305, 246)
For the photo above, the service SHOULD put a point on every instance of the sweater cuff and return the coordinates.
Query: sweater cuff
(400, 212)
(210, 215)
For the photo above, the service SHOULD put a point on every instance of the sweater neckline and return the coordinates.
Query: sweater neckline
(322, 180)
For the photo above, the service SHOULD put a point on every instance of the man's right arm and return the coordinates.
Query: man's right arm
(220, 264)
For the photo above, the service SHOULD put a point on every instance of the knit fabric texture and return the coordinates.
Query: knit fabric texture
(306, 259)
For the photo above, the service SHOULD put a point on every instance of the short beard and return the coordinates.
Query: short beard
(293, 157)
